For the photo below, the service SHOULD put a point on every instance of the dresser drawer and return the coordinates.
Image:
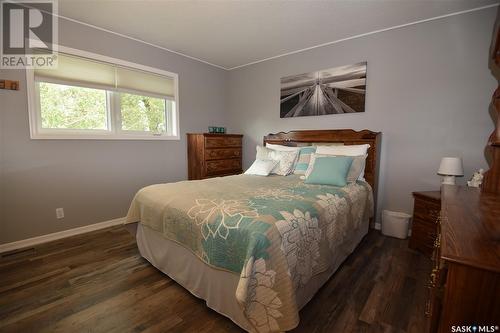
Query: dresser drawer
(217, 167)
(423, 235)
(222, 141)
(222, 153)
(426, 210)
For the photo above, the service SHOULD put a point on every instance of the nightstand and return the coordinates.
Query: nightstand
(426, 209)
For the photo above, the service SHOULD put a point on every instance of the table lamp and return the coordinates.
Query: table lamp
(449, 168)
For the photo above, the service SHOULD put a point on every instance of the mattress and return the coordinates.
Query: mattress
(255, 248)
(218, 287)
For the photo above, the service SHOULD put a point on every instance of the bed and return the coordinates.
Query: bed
(257, 249)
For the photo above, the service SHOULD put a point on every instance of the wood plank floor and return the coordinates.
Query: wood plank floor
(98, 282)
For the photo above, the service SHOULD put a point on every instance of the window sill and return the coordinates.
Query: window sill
(104, 137)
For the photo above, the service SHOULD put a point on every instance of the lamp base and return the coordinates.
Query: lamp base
(448, 180)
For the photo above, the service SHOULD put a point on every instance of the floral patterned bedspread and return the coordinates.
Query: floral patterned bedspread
(274, 232)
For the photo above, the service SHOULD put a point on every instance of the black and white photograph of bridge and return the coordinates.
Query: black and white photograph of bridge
(330, 91)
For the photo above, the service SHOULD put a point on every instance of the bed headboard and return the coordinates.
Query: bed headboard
(345, 136)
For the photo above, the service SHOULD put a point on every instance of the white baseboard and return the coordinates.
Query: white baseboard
(59, 235)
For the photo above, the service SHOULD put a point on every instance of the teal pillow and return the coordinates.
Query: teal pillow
(330, 170)
(303, 160)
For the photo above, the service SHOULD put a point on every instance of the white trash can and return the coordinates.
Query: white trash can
(395, 224)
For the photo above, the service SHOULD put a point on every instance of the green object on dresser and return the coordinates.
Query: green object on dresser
(331, 170)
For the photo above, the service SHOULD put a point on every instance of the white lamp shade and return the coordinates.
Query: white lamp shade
(451, 166)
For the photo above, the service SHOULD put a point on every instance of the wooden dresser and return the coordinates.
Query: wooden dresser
(213, 155)
(426, 208)
(464, 288)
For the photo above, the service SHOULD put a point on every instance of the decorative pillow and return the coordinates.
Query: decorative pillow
(286, 161)
(262, 153)
(284, 148)
(357, 169)
(357, 166)
(330, 170)
(347, 150)
(303, 160)
(261, 167)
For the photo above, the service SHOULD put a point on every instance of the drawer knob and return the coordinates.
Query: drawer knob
(433, 277)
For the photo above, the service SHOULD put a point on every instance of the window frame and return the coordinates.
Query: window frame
(115, 132)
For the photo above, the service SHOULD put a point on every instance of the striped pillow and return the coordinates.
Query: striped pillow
(303, 160)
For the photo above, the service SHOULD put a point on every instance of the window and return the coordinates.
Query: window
(70, 107)
(94, 97)
(142, 113)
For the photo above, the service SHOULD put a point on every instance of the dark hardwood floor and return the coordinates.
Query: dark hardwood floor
(98, 282)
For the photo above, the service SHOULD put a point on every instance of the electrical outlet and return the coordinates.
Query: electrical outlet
(60, 213)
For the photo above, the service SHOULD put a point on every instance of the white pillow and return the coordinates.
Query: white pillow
(281, 147)
(286, 161)
(262, 153)
(348, 150)
(261, 167)
(285, 148)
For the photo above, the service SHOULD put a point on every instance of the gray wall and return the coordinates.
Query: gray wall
(428, 91)
(95, 180)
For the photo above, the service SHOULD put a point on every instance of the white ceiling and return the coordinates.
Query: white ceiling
(230, 34)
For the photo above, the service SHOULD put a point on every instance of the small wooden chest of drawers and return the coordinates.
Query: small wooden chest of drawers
(425, 214)
(213, 155)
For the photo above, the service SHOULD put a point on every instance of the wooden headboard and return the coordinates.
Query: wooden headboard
(345, 136)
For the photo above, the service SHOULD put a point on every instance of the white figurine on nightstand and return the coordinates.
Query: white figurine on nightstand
(477, 179)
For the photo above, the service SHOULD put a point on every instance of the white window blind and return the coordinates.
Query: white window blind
(91, 73)
(130, 80)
